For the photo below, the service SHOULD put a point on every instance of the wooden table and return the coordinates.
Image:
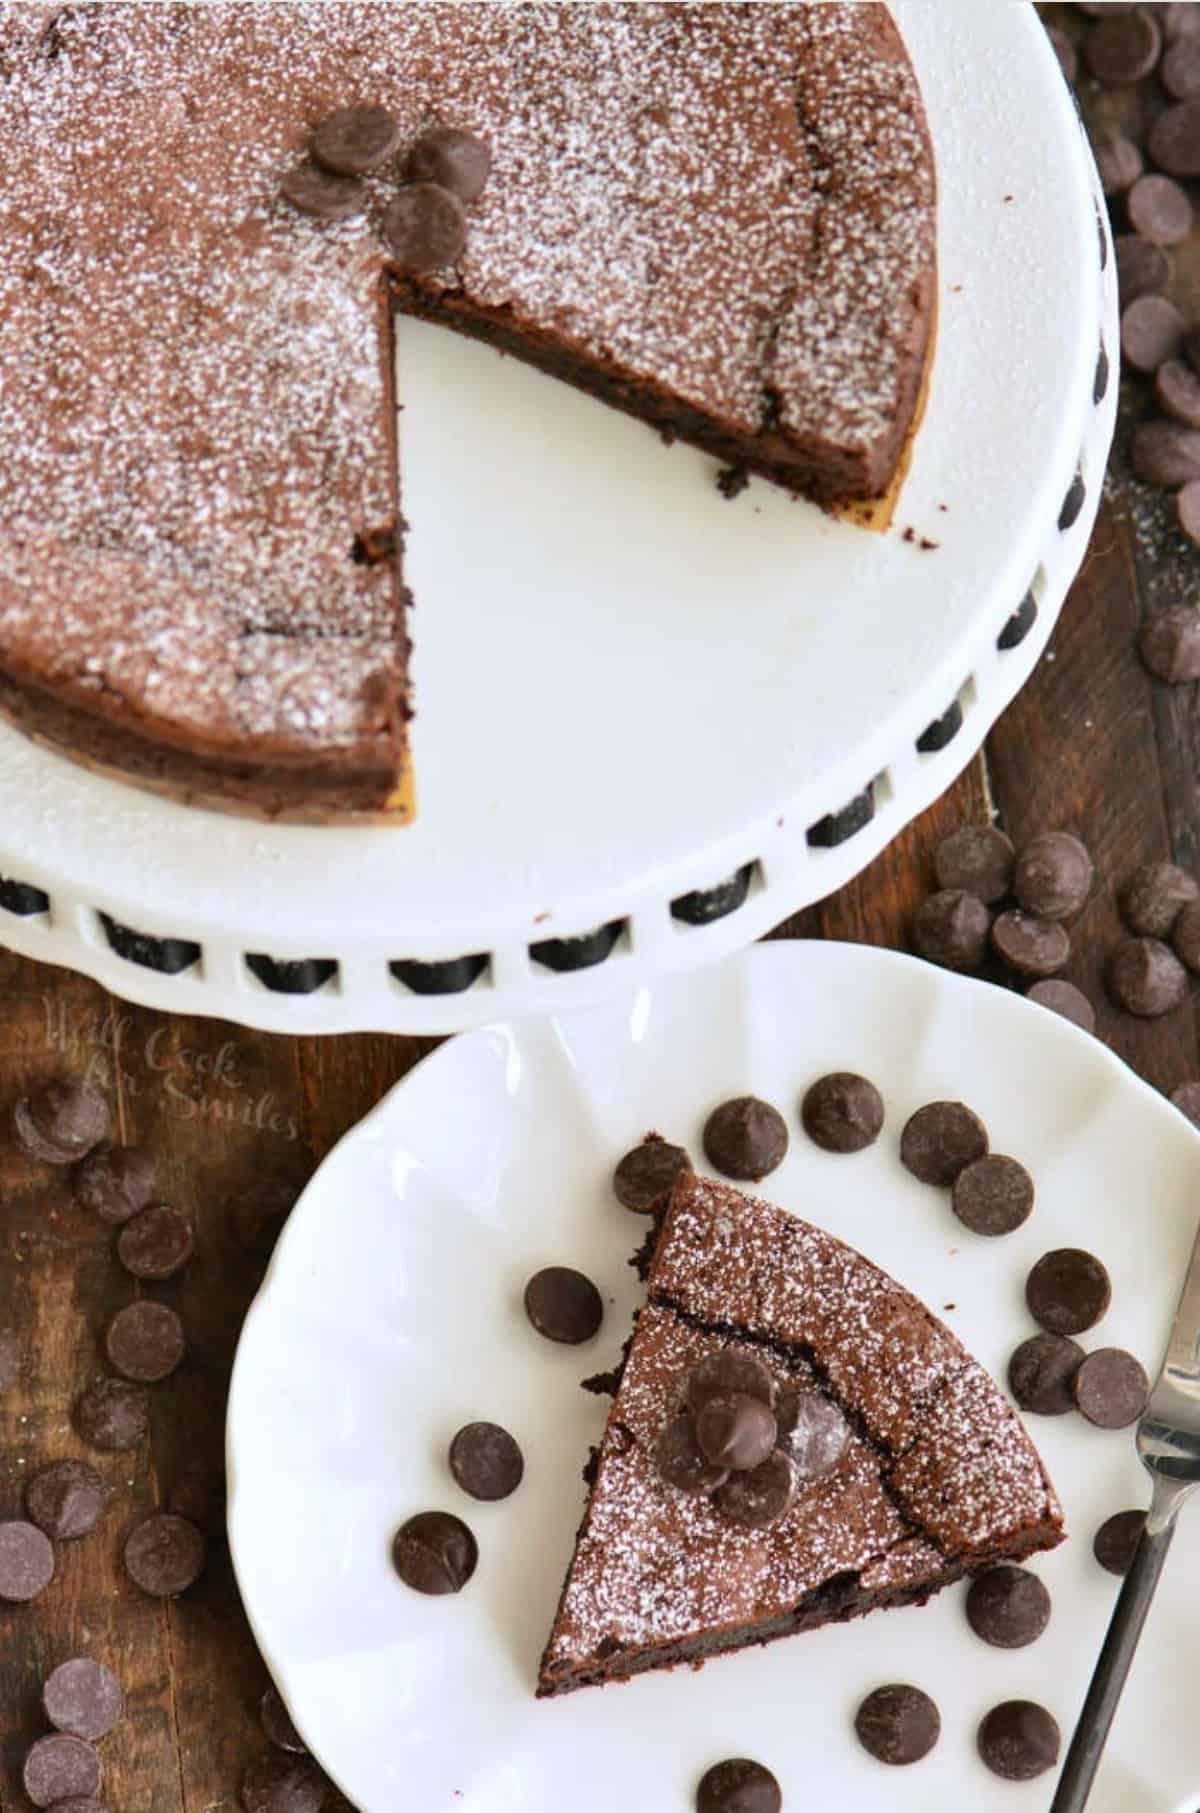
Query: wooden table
(1092, 745)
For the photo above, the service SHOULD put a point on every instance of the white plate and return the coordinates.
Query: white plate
(627, 687)
(392, 1315)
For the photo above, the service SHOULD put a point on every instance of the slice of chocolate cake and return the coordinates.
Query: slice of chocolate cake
(719, 218)
(685, 1554)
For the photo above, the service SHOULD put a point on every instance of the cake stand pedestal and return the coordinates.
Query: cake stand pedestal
(651, 723)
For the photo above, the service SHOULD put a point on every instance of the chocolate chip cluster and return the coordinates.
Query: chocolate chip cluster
(991, 895)
(425, 222)
(1068, 1292)
(1148, 972)
(1152, 213)
(82, 1700)
(745, 1445)
(64, 1122)
(1017, 903)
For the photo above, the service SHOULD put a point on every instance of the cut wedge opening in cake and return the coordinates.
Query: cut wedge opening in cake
(720, 220)
(794, 1440)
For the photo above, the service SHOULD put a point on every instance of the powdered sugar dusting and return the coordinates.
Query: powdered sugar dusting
(973, 1474)
(733, 1258)
(193, 379)
(654, 1565)
(949, 1477)
(192, 393)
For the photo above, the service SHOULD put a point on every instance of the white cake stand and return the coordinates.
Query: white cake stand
(628, 688)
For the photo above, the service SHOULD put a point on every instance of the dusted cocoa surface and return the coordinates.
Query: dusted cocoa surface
(199, 376)
(938, 1478)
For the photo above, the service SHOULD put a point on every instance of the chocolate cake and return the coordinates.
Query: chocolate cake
(718, 218)
(937, 1479)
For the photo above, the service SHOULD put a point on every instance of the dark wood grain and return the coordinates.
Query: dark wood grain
(1092, 744)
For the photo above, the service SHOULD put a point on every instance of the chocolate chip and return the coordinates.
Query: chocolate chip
(1018, 1740)
(1041, 1372)
(898, 1724)
(258, 1215)
(113, 1414)
(453, 159)
(26, 1562)
(1164, 453)
(1159, 210)
(1154, 896)
(1174, 139)
(1065, 999)
(145, 1341)
(1187, 1099)
(730, 1369)
(1185, 936)
(157, 1243)
(756, 1500)
(1111, 1388)
(66, 1499)
(1146, 978)
(680, 1463)
(994, 1195)
(1177, 391)
(1187, 510)
(1118, 162)
(1053, 876)
(1115, 1542)
(978, 859)
(745, 1138)
(83, 1698)
(60, 1123)
(1068, 1291)
(322, 195)
(353, 140)
(1169, 644)
(951, 928)
(164, 1555)
(435, 1553)
(283, 1784)
(735, 1431)
(563, 1305)
(486, 1461)
(940, 1140)
(645, 1177)
(842, 1112)
(1031, 946)
(1008, 1607)
(813, 1433)
(60, 1768)
(114, 1182)
(276, 1721)
(1151, 331)
(1123, 46)
(1179, 19)
(1142, 269)
(1179, 71)
(425, 227)
(738, 1786)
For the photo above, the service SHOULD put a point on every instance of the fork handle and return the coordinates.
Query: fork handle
(1125, 1627)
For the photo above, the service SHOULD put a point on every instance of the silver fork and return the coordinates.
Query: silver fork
(1168, 1445)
